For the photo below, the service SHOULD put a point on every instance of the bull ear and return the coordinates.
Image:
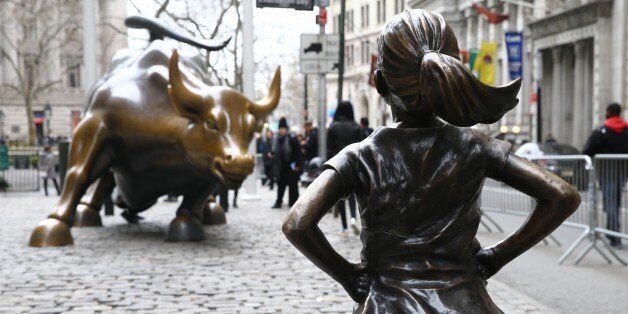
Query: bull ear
(187, 102)
(261, 108)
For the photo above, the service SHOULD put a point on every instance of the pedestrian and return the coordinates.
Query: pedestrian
(418, 183)
(344, 131)
(287, 163)
(364, 126)
(264, 147)
(610, 138)
(311, 141)
(46, 165)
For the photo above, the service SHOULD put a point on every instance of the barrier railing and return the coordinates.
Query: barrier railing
(22, 174)
(580, 172)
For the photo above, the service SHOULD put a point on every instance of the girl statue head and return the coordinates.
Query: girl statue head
(420, 74)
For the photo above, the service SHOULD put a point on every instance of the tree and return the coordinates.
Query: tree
(207, 20)
(30, 39)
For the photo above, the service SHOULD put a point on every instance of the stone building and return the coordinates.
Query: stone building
(66, 99)
(580, 61)
(364, 20)
(574, 61)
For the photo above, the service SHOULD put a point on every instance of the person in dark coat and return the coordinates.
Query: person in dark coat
(610, 138)
(287, 163)
(264, 147)
(311, 141)
(344, 131)
(364, 125)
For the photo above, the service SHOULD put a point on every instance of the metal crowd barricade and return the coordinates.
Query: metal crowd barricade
(610, 215)
(575, 169)
(22, 174)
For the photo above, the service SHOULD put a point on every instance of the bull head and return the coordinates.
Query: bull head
(221, 123)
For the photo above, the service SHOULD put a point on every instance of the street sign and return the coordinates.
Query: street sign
(319, 53)
(302, 5)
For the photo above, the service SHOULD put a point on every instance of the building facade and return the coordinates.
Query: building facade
(58, 109)
(364, 20)
(574, 61)
(580, 60)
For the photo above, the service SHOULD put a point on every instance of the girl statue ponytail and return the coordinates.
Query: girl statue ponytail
(423, 68)
(454, 94)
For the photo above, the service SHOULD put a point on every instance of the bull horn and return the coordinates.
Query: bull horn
(261, 108)
(185, 100)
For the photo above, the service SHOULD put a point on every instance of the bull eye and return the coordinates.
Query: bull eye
(210, 125)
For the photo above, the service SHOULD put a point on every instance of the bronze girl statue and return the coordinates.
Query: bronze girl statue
(418, 182)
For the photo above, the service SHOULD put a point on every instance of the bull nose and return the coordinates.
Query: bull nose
(242, 164)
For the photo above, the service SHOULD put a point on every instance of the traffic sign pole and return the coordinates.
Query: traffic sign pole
(322, 110)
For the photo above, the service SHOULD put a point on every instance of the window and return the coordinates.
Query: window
(73, 71)
(74, 77)
(364, 16)
(349, 21)
(399, 6)
(29, 70)
(350, 56)
(381, 11)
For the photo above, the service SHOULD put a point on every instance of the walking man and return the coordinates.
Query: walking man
(46, 167)
(287, 158)
(611, 138)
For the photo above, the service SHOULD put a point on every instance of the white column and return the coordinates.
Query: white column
(89, 44)
(556, 105)
(471, 33)
(578, 97)
(248, 86)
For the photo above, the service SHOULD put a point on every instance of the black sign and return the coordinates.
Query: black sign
(303, 5)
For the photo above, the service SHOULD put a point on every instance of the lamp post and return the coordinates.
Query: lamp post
(48, 115)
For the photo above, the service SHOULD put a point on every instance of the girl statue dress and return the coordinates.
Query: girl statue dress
(418, 182)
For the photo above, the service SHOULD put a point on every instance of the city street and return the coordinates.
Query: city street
(244, 266)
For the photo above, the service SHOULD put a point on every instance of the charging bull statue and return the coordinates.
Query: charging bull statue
(152, 127)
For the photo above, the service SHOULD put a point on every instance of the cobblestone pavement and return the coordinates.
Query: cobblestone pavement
(246, 266)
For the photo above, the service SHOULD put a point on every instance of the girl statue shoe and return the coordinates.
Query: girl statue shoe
(418, 183)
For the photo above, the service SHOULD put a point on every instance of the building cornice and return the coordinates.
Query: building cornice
(571, 18)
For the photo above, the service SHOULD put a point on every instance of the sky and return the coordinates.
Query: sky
(277, 33)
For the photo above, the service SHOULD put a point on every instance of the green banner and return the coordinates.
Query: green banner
(4, 157)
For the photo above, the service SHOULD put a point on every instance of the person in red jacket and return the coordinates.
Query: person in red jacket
(611, 138)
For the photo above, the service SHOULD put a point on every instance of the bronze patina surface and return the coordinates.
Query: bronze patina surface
(418, 182)
(154, 126)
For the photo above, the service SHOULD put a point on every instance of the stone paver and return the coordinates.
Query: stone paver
(246, 266)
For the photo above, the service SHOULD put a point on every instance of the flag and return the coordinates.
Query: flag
(484, 63)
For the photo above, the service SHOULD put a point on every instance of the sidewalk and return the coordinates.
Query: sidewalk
(245, 266)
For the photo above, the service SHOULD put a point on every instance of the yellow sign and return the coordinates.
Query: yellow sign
(484, 64)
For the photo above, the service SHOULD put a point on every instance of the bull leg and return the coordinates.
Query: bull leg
(87, 212)
(188, 226)
(87, 163)
(213, 214)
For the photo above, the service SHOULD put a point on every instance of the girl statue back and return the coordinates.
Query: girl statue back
(418, 183)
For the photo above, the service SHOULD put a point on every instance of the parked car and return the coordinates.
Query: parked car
(572, 171)
(313, 168)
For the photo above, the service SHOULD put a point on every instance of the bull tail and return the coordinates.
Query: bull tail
(158, 30)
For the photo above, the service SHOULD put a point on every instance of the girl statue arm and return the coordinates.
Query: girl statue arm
(301, 229)
(556, 201)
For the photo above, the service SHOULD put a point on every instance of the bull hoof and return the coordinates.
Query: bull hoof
(185, 229)
(86, 217)
(214, 215)
(51, 232)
